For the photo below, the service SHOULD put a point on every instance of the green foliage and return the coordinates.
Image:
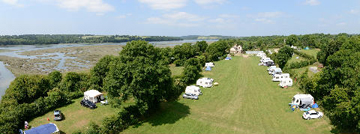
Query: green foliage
(27, 88)
(217, 50)
(75, 82)
(57, 39)
(99, 71)
(292, 40)
(336, 86)
(191, 71)
(55, 78)
(139, 72)
(284, 54)
(200, 47)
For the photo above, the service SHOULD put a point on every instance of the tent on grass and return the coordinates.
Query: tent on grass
(208, 68)
(315, 106)
(43, 129)
(228, 58)
(93, 96)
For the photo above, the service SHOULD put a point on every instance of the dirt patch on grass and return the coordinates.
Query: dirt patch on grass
(245, 55)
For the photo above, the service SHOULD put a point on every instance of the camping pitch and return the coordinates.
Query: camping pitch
(43, 129)
(208, 68)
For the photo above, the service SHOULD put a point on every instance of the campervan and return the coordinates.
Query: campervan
(193, 90)
(204, 82)
(286, 82)
(271, 67)
(209, 64)
(279, 77)
(276, 71)
(303, 100)
(269, 63)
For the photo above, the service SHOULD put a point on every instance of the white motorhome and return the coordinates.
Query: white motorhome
(209, 64)
(276, 71)
(205, 82)
(286, 82)
(263, 59)
(261, 54)
(279, 77)
(302, 100)
(271, 67)
(193, 90)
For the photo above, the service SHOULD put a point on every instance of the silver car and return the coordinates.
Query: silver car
(57, 115)
(190, 96)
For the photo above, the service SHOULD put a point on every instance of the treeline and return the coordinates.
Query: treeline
(33, 39)
(140, 73)
(337, 85)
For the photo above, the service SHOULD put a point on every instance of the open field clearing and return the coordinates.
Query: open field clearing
(246, 101)
(312, 52)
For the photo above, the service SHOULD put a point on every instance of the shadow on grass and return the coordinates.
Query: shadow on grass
(169, 113)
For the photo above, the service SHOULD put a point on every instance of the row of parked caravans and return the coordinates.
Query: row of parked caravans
(265, 61)
(278, 76)
(193, 91)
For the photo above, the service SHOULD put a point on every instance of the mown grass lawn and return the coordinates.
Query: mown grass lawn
(176, 70)
(76, 116)
(246, 101)
(312, 52)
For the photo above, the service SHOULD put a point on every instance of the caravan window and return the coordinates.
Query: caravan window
(195, 91)
(293, 99)
(297, 101)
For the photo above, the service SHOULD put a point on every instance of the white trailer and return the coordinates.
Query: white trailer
(193, 90)
(286, 82)
(279, 77)
(205, 82)
(303, 100)
(276, 71)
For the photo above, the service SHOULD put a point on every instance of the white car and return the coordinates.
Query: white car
(312, 114)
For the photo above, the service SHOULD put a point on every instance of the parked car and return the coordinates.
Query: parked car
(87, 103)
(190, 96)
(57, 115)
(312, 114)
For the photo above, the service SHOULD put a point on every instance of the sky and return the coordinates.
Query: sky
(179, 17)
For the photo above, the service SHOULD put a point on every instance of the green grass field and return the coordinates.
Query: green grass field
(312, 52)
(294, 59)
(246, 101)
(76, 116)
(176, 70)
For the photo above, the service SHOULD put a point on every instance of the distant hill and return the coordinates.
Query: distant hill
(209, 37)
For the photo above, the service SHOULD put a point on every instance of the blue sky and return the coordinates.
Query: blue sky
(179, 17)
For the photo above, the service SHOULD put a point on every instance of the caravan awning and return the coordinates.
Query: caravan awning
(43, 129)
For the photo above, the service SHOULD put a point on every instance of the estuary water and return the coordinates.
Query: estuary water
(14, 51)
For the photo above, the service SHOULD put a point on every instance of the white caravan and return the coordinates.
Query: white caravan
(271, 67)
(286, 82)
(193, 90)
(276, 71)
(209, 64)
(205, 82)
(303, 100)
(279, 77)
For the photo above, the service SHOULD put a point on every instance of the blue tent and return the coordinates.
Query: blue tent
(306, 48)
(228, 58)
(208, 68)
(315, 106)
(43, 129)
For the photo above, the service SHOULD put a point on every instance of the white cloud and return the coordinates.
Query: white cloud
(183, 15)
(267, 17)
(218, 20)
(164, 4)
(13, 2)
(341, 24)
(312, 2)
(353, 11)
(123, 16)
(96, 6)
(181, 19)
(228, 16)
(207, 2)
